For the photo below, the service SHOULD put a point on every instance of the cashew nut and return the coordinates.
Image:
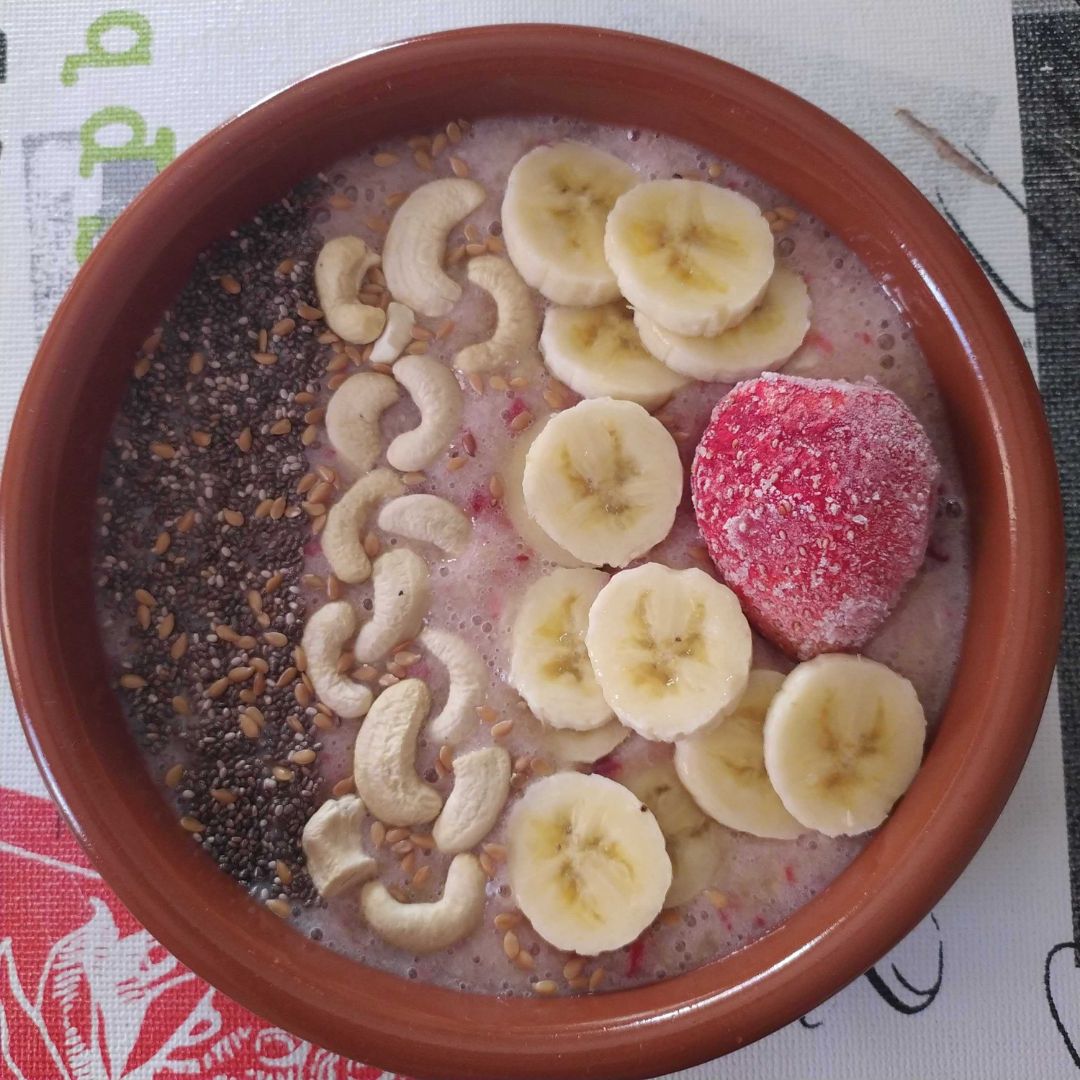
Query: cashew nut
(414, 246)
(517, 325)
(352, 417)
(584, 747)
(401, 597)
(468, 675)
(396, 335)
(384, 757)
(325, 635)
(428, 519)
(481, 785)
(427, 928)
(334, 847)
(339, 273)
(342, 542)
(438, 397)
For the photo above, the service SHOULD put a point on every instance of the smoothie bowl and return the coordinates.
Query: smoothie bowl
(518, 544)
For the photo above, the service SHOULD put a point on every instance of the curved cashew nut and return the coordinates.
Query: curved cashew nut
(325, 635)
(384, 757)
(468, 676)
(402, 594)
(397, 334)
(414, 246)
(438, 397)
(481, 786)
(352, 417)
(517, 325)
(342, 543)
(428, 519)
(334, 847)
(427, 928)
(339, 273)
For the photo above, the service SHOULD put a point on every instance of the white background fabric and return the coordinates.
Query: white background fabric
(951, 64)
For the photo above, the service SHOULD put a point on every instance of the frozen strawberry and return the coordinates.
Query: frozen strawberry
(814, 498)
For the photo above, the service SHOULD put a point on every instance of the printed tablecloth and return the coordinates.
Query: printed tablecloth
(95, 99)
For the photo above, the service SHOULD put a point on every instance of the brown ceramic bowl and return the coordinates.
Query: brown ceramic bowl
(58, 666)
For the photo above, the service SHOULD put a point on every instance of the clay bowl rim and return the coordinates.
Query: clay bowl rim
(69, 712)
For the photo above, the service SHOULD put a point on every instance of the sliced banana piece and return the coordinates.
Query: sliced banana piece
(339, 273)
(695, 844)
(428, 519)
(427, 928)
(513, 503)
(670, 648)
(723, 767)
(436, 393)
(764, 340)
(549, 665)
(481, 786)
(333, 843)
(352, 417)
(584, 747)
(516, 325)
(597, 352)
(843, 741)
(384, 757)
(604, 480)
(416, 243)
(402, 594)
(342, 537)
(694, 257)
(587, 862)
(557, 201)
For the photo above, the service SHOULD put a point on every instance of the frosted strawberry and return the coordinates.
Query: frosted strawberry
(815, 499)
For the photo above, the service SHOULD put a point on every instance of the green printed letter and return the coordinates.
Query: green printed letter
(96, 55)
(161, 151)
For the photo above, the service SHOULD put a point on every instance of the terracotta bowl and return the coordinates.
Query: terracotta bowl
(58, 666)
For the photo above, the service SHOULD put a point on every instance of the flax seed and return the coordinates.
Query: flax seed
(384, 160)
(395, 199)
(218, 687)
(458, 166)
(163, 450)
(545, 987)
(192, 824)
(497, 382)
(174, 775)
(715, 170)
(476, 381)
(716, 898)
(424, 841)
(497, 852)
(511, 945)
(408, 863)
(281, 774)
(423, 160)
(455, 462)
(507, 920)
(201, 438)
(166, 625)
(787, 213)
(223, 796)
(280, 907)
(487, 714)
(377, 834)
(243, 440)
(309, 435)
(145, 597)
(309, 313)
(495, 245)
(142, 616)
(417, 348)
(595, 979)
(525, 961)
(503, 727)
(272, 584)
(281, 427)
(233, 518)
(141, 367)
(345, 786)
(275, 639)
(420, 878)
(495, 486)
(413, 479)
(239, 674)
(334, 382)
(285, 267)
(402, 847)
(487, 864)
(472, 232)
(284, 872)
(580, 983)
(573, 968)
(162, 543)
(302, 695)
(365, 673)
(286, 677)
(340, 202)
(246, 641)
(283, 327)
(277, 508)
(521, 421)
(180, 705)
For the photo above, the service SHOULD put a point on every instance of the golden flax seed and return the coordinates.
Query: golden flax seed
(181, 706)
(281, 774)
(458, 166)
(495, 486)
(503, 727)
(377, 834)
(162, 543)
(545, 987)
(273, 582)
(308, 312)
(340, 202)
(525, 961)
(217, 687)
(142, 616)
(223, 796)
(283, 327)
(595, 979)
(384, 160)
(166, 625)
(277, 508)
(192, 824)
(511, 945)
(573, 967)
(280, 907)
(521, 421)
(201, 438)
(243, 440)
(276, 639)
(281, 427)
(163, 450)
(174, 774)
(141, 367)
(487, 714)
(345, 786)
(507, 920)
(286, 677)
(233, 518)
(283, 871)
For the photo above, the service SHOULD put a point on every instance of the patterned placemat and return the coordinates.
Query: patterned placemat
(975, 100)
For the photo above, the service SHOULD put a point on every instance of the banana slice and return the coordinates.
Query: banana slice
(843, 740)
(557, 200)
(584, 747)
(603, 480)
(764, 340)
(723, 767)
(513, 503)
(549, 665)
(670, 648)
(587, 862)
(597, 352)
(695, 844)
(694, 257)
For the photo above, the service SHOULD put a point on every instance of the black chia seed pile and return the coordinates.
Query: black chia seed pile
(202, 531)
